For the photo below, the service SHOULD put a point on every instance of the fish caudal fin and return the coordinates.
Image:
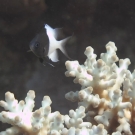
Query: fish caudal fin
(54, 56)
(62, 46)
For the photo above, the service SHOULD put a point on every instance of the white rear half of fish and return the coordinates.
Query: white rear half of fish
(55, 44)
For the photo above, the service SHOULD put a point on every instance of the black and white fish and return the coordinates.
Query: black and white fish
(45, 44)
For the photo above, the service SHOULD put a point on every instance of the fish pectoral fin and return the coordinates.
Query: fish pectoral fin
(54, 56)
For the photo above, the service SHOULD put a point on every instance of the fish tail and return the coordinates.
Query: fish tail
(62, 46)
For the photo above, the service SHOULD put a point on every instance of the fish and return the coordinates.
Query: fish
(45, 44)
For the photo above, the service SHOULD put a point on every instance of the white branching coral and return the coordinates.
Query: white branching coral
(106, 101)
(20, 115)
(107, 91)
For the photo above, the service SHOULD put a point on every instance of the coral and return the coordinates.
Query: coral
(106, 101)
(107, 90)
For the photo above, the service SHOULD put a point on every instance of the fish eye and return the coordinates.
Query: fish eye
(37, 44)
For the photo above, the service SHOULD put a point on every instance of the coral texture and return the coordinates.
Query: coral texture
(106, 101)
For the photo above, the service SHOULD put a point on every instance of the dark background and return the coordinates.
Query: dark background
(92, 23)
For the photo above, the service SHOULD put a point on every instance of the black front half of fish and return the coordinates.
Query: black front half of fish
(40, 44)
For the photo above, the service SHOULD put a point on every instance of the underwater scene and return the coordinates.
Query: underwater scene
(67, 67)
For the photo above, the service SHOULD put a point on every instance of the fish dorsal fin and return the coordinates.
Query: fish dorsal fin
(50, 32)
(56, 33)
(54, 56)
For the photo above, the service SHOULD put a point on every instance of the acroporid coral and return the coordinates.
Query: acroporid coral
(106, 101)
(20, 115)
(107, 91)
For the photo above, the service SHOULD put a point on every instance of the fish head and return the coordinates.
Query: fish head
(40, 45)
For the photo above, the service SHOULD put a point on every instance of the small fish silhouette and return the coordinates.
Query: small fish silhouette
(45, 44)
